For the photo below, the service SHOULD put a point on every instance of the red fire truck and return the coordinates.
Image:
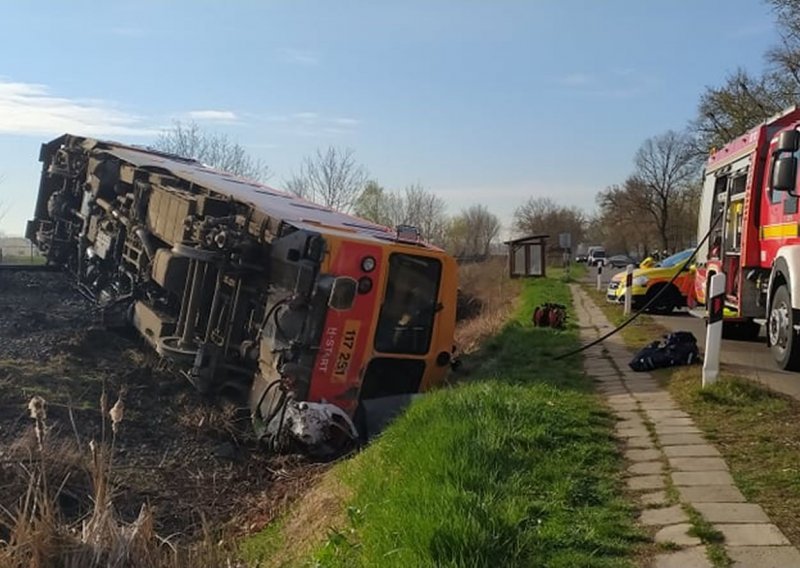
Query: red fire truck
(750, 187)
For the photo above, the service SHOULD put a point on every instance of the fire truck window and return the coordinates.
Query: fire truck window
(738, 184)
(775, 196)
(790, 205)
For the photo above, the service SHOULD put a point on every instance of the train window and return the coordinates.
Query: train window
(406, 321)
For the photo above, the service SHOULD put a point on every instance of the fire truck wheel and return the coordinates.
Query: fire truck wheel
(783, 339)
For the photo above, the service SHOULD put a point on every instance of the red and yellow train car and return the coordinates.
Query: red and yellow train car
(307, 311)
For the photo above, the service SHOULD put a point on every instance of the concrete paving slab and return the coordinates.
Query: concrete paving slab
(672, 422)
(764, 556)
(642, 455)
(622, 406)
(638, 390)
(610, 391)
(667, 516)
(605, 377)
(656, 415)
(702, 478)
(646, 468)
(698, 464)
(666, 430)
(681, 439)
(642, 442)
(607, 383)
(679, 534)
(748, 534)
(636, 378)
(657, 397)
(629, 415)
(654, 498)
(621, 398)
(641, 482)
(659, 405)
(711, 494)
(631, 432)
(635, 422)
(600, 368)
(694, 557)
(695, 450)
(732, 512)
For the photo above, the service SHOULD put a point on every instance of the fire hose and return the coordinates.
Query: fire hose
(647, 305)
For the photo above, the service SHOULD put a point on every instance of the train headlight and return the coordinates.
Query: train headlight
(364, 285)
(368, 264)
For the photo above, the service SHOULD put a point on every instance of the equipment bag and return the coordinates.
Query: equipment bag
(550, 315)
(677, 348)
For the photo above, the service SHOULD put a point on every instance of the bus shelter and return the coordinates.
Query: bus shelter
(526, 256)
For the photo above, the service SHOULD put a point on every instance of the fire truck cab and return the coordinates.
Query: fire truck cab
(750, 208)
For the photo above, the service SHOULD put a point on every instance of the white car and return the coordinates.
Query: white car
(597, 256)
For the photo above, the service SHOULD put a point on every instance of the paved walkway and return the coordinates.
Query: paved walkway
(672, 467)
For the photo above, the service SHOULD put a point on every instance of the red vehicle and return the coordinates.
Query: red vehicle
(752, 184)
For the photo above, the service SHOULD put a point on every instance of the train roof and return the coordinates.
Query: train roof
(286, 206)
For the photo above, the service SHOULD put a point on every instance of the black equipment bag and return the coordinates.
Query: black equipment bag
(677, 348)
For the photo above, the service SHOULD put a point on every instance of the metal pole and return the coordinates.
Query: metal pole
(716, 304)
(628, 289)
(599, 277)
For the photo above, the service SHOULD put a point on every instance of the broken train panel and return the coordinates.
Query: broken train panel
(307, 311)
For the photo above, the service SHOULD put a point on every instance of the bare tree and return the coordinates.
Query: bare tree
(331, 178)
(216, 150)
(667, 168)
(543, 216)
(740, 103)
(471, 233)
(426, 211)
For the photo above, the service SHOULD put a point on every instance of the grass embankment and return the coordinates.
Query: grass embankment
(754, 428)
(515, 467)
(493, 296)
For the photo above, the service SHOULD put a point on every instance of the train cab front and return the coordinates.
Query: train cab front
(375, 324)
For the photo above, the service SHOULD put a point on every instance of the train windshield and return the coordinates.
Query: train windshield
(405, 325)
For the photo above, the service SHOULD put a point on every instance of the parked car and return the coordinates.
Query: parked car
(651, 277)
(581, 258)
(620, 261)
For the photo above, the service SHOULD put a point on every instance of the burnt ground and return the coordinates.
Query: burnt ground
(193, 460)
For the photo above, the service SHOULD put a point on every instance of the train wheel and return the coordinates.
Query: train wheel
(783, 339)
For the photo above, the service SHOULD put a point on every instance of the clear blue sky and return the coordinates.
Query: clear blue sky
(482, 102)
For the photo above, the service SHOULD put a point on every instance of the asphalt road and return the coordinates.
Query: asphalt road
(750, 359)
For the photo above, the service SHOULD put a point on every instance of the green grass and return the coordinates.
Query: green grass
(515, 467)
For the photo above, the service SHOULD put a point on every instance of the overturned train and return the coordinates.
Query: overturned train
(309, 313)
